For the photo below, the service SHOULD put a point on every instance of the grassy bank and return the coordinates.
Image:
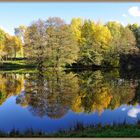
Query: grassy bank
(80, 131)
(107, 131)
(16, 64)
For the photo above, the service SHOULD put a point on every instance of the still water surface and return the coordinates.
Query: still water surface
(56, 100)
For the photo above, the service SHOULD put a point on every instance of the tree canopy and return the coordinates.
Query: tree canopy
(55, 43)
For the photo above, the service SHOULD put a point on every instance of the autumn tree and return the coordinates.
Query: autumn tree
(13, 46)
(8, 47)
(86, 45)
(35, 43)
(61, 43)
(135, 28)
(2, 44)
(50, 43)
(123, 42)
(54, 43)
(76, 26)
(95, 42)
(16, 45)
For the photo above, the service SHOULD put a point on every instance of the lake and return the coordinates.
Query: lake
(56, 100)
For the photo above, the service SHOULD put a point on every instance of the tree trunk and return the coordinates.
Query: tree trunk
(15, 53)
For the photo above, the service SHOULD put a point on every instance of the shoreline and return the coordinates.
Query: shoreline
(107, 131)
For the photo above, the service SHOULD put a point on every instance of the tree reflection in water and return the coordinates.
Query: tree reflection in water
(54, 93)
(10, 85)
(50, 93)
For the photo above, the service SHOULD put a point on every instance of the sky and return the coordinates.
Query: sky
(24, 13)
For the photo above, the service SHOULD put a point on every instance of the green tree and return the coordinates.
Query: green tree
(50, 43)
(136, 30)
(95, 42)
(123, 42)
(61, 43)
(86, 42)
(35, 43)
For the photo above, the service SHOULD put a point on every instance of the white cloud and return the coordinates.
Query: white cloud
(123, 109)
(124, 15)
(133, 112)
(134, 11)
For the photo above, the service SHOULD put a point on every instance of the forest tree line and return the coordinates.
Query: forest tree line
(55, 43)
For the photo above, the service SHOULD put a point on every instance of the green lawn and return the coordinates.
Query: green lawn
(98, 132)
(115, 131)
